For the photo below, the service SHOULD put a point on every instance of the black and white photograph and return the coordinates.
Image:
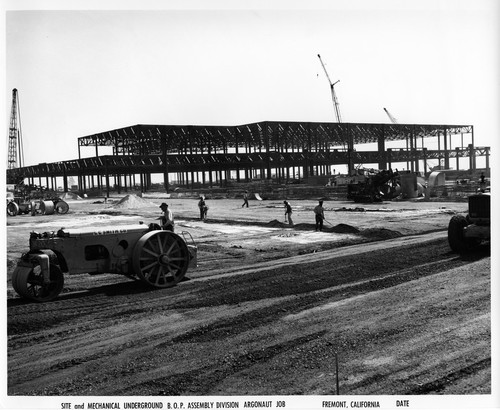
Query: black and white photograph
(251, 204)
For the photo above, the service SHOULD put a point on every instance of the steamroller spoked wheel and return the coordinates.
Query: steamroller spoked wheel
(29, 283)
(161, 258)
(61, 207)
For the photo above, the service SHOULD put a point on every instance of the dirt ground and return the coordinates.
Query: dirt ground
(270, 309)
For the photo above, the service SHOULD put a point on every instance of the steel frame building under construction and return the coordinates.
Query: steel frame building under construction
(212, 155)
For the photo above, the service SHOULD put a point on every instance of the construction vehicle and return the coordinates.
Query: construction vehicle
(15, 155)
(332, 90)
(466, 233)
(31, 199)
(391, 117)
(157, 257)
(376, 186)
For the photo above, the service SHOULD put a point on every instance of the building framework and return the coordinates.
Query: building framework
(212, 155)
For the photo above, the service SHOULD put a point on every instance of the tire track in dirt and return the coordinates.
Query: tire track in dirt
(275, 286)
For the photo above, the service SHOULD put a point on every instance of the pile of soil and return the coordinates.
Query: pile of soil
(342, 228)
(131, 202)
(70, 195)
(344, 209)
(277, 224)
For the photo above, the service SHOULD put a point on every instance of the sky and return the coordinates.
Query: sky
(83, 68)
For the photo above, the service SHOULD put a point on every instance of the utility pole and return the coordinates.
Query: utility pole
(332, 89)
(15, 154)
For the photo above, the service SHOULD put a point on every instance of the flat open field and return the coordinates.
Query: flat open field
(270, 309)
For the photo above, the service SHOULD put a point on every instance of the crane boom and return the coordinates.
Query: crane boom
(332, 89)
(393, 120)
(15, 154)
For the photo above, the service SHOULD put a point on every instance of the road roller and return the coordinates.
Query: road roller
(466, 233)
(18, 206)
(141, 251)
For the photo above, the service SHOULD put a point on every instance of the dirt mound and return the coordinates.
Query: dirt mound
(344, 209)
(131, 202)
(341, 228)
(277, 224)
(380, 233)
(70, 195)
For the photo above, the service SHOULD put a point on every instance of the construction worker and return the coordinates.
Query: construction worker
(203, 209)
(245, 199)
(319, 214)
(167, 219)
(288, 213)
(482, 182)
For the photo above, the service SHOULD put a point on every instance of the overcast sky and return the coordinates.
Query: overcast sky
(82, 72)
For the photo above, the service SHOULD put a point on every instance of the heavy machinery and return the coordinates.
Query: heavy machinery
(376, 186)
(15, 154)
(391, 117)
(465, 233)
(332, 90)
(157, 257)
(30, 199)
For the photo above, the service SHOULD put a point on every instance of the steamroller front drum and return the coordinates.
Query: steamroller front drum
(12, 209)
(47, 207)
(28, 282)
(15, 276)
(161, 258)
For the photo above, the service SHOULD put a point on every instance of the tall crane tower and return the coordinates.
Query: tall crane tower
(393, 120)
(15, 154)
(332, 89)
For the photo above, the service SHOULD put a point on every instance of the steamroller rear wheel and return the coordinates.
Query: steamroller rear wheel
(61, 207)
(29, 283)
(161, 258)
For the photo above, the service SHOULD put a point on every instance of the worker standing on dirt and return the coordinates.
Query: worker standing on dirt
(288, 213)
(482, 182)
(203, 209)
(167, 219)
(245, 199)
(319, 213)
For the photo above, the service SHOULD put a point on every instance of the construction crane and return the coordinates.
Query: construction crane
(393, 120)
(15, 154)
(332, 89)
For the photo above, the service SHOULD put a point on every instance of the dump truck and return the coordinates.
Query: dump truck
(467, 232)
(145, 252)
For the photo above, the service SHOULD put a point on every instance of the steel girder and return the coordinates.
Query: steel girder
(269, 144)
(130, 164)
(194, 139)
